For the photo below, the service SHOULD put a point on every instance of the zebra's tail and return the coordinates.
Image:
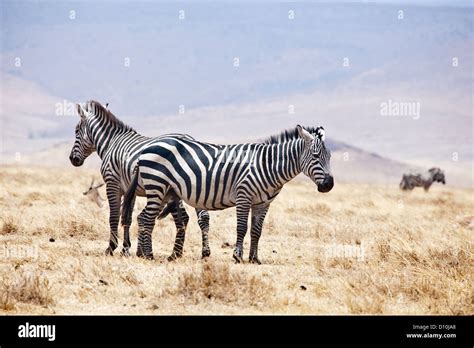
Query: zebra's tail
(128, 200)
(171, 206)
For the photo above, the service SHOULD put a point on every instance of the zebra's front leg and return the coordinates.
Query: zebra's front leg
(203, 221)
(146, 222)
(113, 196)
(243, 209)
(126, 236)
(181, 219)
(258, 216)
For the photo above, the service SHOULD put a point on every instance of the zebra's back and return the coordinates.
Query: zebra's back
(204, 175)
(120, 161)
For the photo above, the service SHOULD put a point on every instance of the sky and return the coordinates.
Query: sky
(242, 70)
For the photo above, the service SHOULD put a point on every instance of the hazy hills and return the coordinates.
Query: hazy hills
(289, 72)
(349, 163)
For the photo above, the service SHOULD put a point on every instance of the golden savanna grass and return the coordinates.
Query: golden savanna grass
(359, 249)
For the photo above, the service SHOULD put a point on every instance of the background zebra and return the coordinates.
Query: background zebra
(119, 145)
(410, 181)
(214, 177)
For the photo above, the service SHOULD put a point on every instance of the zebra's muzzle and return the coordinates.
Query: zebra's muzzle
(76, 162)
(327, 184)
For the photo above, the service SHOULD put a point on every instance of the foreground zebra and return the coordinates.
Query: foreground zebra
(410, 181)
(118, 145)
(214, 177)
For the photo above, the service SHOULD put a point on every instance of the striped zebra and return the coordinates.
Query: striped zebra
(410, 181)
(119, 146)
(215, 177)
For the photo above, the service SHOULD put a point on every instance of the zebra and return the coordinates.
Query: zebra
(118, 145)
(214, 177)
(410, 181)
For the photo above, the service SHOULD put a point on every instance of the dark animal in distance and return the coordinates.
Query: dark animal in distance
(410, 181)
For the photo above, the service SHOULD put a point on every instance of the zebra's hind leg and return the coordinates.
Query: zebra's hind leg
(181, 219)
(126, 235)
(146, 222)
(203, 221)
(126, 242)
(113, 196)
(258, 216)
(243, 209)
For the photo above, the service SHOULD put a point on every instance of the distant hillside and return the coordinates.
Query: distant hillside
(30, 127)
(238, 73)
(349, 163)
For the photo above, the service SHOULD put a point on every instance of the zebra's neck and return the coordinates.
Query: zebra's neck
(279, 163)
(103, 132)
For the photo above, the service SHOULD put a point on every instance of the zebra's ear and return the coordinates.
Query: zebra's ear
(80, 111)
(303, 133)
(321, 133)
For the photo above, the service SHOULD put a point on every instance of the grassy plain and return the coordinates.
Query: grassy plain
(359, 249)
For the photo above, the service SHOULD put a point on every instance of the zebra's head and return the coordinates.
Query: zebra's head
(83, 145)
(315, 158)
(438, 175)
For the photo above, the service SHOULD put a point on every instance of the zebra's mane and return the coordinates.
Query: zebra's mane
(290, 134)
(110, 116)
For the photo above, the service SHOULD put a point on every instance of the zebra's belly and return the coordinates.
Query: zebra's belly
(265, 197)
(210, 204)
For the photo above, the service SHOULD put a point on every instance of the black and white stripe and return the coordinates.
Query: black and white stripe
(119, 146)
(214, 177)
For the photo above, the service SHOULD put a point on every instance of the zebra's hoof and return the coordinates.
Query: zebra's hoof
(238, 253)
(125, 253)
(238, 258)
(206, 253)
(255, 260)
(109, 252)
(145, 256)
(174, 256)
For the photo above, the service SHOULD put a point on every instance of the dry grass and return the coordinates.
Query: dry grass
(9, 225)
(358, 250)
(217, 282)
(20, 287)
